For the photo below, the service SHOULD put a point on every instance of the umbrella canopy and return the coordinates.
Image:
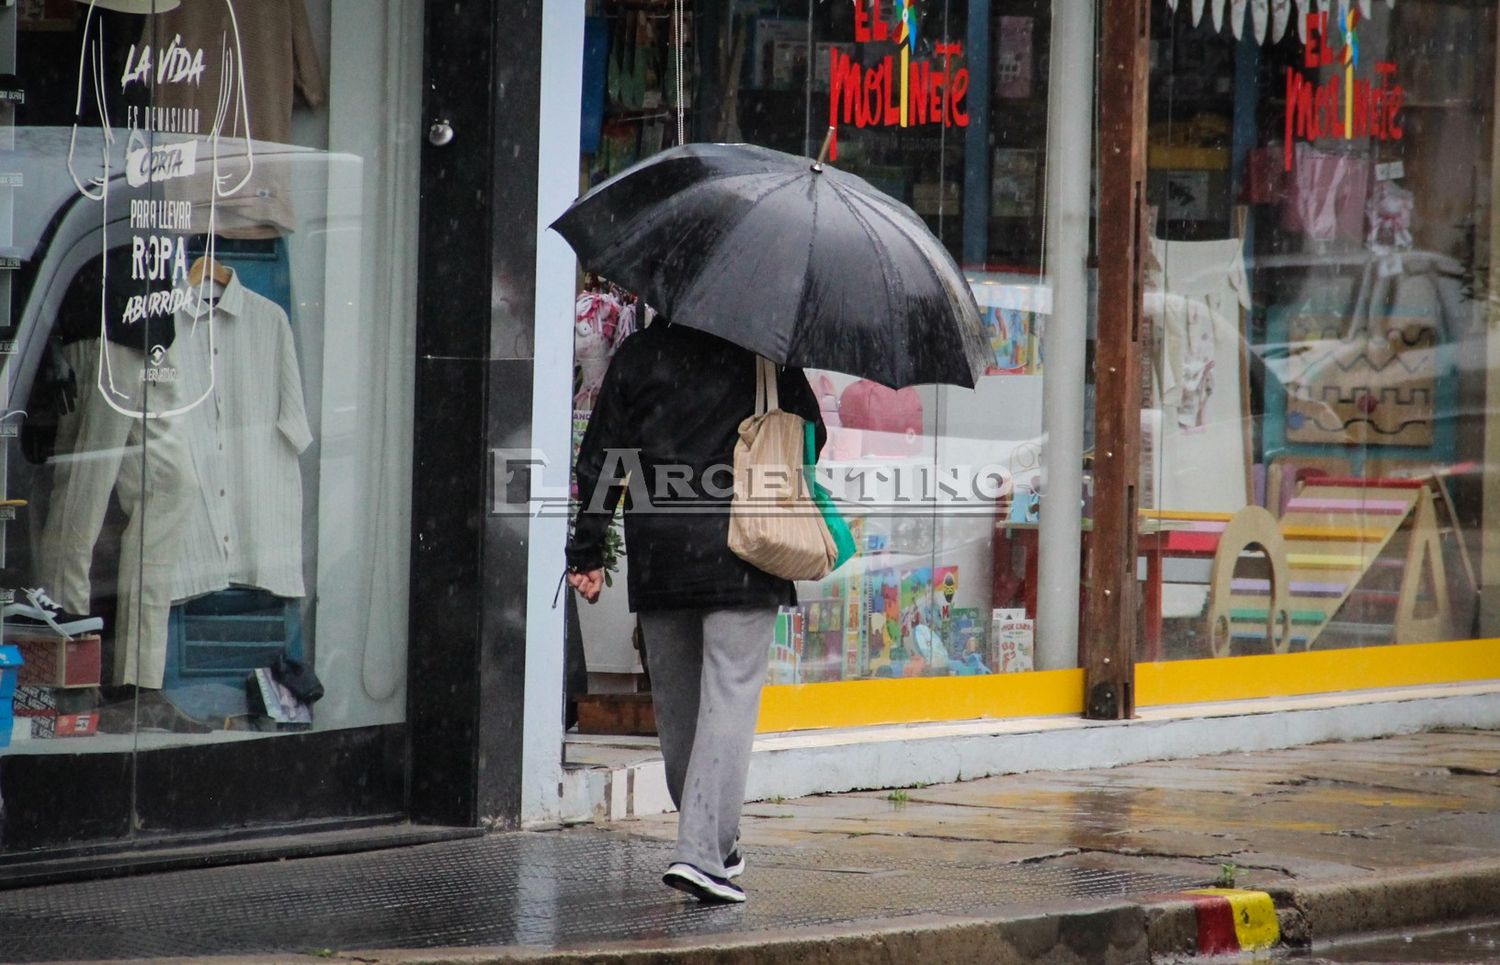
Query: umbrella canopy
(801, 263)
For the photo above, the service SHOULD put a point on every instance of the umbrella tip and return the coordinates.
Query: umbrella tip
(828, 141)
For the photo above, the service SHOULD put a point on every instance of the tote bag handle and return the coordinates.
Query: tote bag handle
(766, 399)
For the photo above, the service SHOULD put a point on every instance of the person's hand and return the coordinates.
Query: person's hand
(588, 584)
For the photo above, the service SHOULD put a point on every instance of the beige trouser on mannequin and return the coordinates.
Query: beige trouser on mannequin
(147, 464)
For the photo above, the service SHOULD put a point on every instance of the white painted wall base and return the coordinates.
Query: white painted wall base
(820, 762)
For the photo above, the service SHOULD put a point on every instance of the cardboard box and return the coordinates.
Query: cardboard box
(53, 661)
(76, 725)
(37, 706)
(631, 714)
(1013, 636)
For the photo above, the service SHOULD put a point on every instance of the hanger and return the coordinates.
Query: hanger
(221, 274)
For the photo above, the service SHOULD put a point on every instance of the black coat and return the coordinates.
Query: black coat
(676, 396)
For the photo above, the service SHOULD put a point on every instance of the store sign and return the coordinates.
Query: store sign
(1341, 107)
(897, 90)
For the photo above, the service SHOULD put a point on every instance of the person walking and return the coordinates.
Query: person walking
(663, 433)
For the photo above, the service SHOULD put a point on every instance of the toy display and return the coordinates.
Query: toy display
(1334, 554)
(888, 622)
(823, 623)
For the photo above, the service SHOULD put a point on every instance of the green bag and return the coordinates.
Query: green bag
(843, 540)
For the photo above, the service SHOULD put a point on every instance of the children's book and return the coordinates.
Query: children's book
(968, 650)
(883, 610)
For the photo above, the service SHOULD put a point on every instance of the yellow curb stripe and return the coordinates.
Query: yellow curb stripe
(1255, 922)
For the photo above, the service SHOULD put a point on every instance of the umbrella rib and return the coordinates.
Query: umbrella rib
(886, 263)
(907, 231)
(629, 233)
(812, 238)
(931, 252)
(630, 229)
(919, 241)
(689, 282)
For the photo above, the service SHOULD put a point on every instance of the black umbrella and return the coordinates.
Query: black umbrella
(801, 263)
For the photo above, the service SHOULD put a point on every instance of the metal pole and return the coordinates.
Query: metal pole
(1069, 149)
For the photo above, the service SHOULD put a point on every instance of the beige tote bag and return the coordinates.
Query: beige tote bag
(774, 524)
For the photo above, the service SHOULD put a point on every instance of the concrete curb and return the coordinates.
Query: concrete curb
(1106, 934)
(1428, 895)
(1161, 928)
(1341, 908)
(1156, 928)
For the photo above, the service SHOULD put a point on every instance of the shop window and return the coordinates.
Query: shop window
(207, 362)
(1321, 358)
(946, 109)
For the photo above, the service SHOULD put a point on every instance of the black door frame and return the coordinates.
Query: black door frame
(475, 374)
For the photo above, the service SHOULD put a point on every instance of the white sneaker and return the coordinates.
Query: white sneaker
(36, 611)
(707, 888)
(734, 865)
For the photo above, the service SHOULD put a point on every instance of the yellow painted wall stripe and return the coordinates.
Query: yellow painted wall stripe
(1315, 672)
(1255, 922)
(861, 703)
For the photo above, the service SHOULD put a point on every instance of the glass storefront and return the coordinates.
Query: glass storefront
(217, 413)
(1315, 429)
(945, 106)
(1321, 408)
(206, 218)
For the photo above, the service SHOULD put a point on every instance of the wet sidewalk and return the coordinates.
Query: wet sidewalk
(1063, 864)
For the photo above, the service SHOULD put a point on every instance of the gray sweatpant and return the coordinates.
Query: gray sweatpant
(707, 668)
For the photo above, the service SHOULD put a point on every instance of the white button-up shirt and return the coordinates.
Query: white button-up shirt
(246, 529)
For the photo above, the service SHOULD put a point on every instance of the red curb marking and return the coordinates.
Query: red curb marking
(1216, 934)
